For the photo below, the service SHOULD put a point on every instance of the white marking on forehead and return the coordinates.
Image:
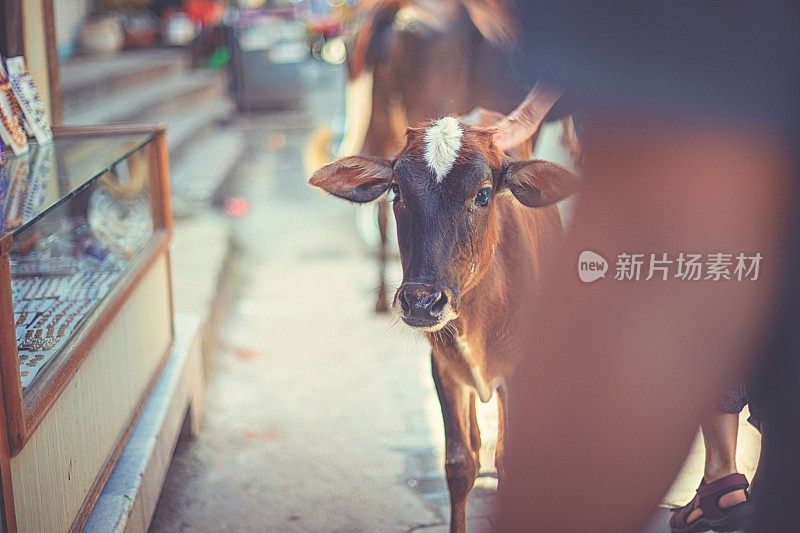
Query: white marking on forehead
(442, 143)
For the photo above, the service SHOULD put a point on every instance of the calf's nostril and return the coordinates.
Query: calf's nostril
(438, 305)
(404, 303)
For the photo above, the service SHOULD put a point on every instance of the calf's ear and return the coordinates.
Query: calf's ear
(539, 183)
(357, 179)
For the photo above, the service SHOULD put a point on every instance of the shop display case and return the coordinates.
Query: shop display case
(85, 313)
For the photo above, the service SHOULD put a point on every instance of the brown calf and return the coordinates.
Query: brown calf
(470, 252)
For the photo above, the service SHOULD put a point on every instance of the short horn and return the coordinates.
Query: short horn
(522, 123)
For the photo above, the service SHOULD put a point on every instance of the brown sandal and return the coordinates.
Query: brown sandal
(715, 518)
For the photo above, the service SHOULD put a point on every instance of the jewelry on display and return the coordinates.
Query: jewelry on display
(33, 110)
(11, 129)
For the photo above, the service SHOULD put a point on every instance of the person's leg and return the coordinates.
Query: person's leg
(720, 432)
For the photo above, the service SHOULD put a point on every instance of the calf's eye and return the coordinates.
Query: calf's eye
(483, 196)
(394, 192)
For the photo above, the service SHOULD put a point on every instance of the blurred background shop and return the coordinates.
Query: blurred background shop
(190, 64)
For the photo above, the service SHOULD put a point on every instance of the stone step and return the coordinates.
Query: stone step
(87, 79)
(192, 103)
(130, 495)
(184, 92)
(198, 175)
(186, 129)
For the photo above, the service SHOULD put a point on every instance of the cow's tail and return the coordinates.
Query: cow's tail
(317, 152)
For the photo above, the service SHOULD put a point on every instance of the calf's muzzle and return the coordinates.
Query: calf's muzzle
(422, 304)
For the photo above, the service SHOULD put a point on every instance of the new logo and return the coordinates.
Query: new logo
(591, 266)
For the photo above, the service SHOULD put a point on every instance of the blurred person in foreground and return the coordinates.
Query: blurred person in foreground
(690, 145)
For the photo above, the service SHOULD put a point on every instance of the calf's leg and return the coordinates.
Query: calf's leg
(460, 465)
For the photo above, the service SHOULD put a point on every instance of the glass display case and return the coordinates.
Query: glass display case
(74, 237)
(85, 310)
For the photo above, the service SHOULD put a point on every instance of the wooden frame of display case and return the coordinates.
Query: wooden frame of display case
(22, 413)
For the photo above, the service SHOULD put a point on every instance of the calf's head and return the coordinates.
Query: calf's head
(444, 186)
